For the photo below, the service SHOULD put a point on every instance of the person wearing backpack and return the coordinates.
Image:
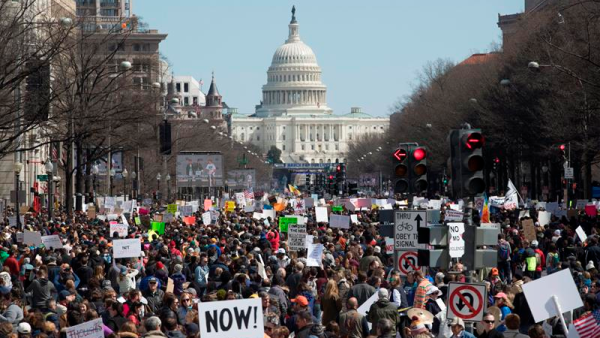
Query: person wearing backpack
(540, 259)
(553, 259)
(504, 261)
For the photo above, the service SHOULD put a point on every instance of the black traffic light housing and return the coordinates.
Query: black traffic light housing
(400, 171)
(466, 163)
(418, 161)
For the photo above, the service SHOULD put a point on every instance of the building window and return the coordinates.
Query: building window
(337, 147)
(258, 137)
(283, 147)
(195, 100)
(283, 136)
(178, 87)
(312, 147)
(186, 87)
(242, 138)
(186, 101)
(303, 147)
(326, 147)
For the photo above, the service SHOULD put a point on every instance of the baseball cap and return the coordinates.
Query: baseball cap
(64, 294)
(281, 251)
(433, 289)
(457, 321)
(534, 243)
(152, 280)
(501, 295)
(300, 300)
(24, 328)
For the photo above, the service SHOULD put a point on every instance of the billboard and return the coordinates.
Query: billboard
(117, 163)
(199, 169)
(241, 178)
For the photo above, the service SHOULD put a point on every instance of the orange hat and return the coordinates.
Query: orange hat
(495, 272)
(301, 300)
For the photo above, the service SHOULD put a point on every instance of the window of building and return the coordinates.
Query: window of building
(194, 100)
(242, 138)
(350, 136)
(283, 147)
(258, 137)
(302, 147)
(283, 137)
(337, 147)
(312, 147)
(186, 87)
(186, 101)
(178, 87)
(257, 128)
(326, 147)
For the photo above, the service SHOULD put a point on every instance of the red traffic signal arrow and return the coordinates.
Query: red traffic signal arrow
(400, 154)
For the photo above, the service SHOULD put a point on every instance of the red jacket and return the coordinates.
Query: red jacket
(542, 258)
(273, 238)
(13, 265)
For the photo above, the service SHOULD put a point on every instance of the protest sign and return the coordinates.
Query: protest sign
(435, 204)
(591, 210)
(315, 255)
(229, 206)
(32, 238)
(168, 218)
(125, 248)
(257, 215)
(364, 308)
(52, 242)
(269, 213)
(337, 208)
(138, 221)
(170, 285)
(159, 227)
(321, 213)
(284, 223)
(206, 219)
(172, 208)
(453, 215)
(110, 202)
(207, 204)
(581, 233)
(185, 210)
(389, 246)
(112, 217)
(309, 202)
(529, 230)
(539, 295)
(231, 319)
(91, 329)
(121, 229)
(580, 205)
(190, 220)
(544, 217)
(339, 221)
(297, 236)
(354, 218)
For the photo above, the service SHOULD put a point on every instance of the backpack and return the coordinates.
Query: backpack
(504, 251)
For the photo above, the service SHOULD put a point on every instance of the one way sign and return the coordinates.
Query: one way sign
(466, 301)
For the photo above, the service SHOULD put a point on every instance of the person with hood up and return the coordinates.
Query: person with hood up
(41, 288)
(178, 279)
(383, 309)
(273, 238)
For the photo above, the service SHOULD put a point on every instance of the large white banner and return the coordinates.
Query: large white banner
(339, 221)
(126, 248)
(52, 242)
(120, 229)
(231, 319)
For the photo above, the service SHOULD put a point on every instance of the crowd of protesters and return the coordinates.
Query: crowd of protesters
(45, 291)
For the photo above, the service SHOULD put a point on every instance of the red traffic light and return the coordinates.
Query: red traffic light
(331, 177)
(474, 141)
(338, 168)
(562, 147)
(497, 160)
(419, 154)
(400, 154)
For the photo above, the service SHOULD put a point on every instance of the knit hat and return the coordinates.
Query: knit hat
(590, 266)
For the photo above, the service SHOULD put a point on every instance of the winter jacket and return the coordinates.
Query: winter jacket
(154, 334)
(353, 325)
(178, 280)
(175, 334)
(382, 309)
(13, 315)
(42, 291)
(361, 292)
(154, 299)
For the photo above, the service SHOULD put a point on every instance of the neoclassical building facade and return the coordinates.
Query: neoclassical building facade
(293, 114)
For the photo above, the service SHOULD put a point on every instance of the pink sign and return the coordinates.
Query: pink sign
(590, 210)
(207, 204)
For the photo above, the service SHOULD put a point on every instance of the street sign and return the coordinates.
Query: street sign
(456, 243)
(466, 301)
(406, 224)
(42, 178)
(407, 262)
(569, 173)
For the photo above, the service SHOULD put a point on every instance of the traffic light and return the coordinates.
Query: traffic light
(165, 138)
(400, 174)
(331, 184)
(340, 177)
(562, 148)
(418, 178)
(436, 236)
(476, 257)
(466, 162)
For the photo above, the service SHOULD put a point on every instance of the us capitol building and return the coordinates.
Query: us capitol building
(293, 114)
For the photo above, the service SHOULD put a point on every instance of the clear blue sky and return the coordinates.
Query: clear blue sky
(369, 51)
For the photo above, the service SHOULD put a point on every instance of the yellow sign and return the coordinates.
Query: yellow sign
(172, 208)
(229, 206)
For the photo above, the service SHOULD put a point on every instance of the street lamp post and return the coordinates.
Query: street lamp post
(133, 185)
(17, 168)
(125, 174)
(111, 175)
(157, 186)
(95, 171)
(168, 178)
(49, 169)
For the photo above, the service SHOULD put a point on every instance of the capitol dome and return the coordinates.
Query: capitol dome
(293, 80)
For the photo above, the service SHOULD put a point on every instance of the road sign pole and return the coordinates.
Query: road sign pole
(396, 258)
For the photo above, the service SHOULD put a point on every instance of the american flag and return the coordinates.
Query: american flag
(588, 326)
(249, 194)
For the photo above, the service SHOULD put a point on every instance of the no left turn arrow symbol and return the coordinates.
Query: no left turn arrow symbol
(408, 262)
